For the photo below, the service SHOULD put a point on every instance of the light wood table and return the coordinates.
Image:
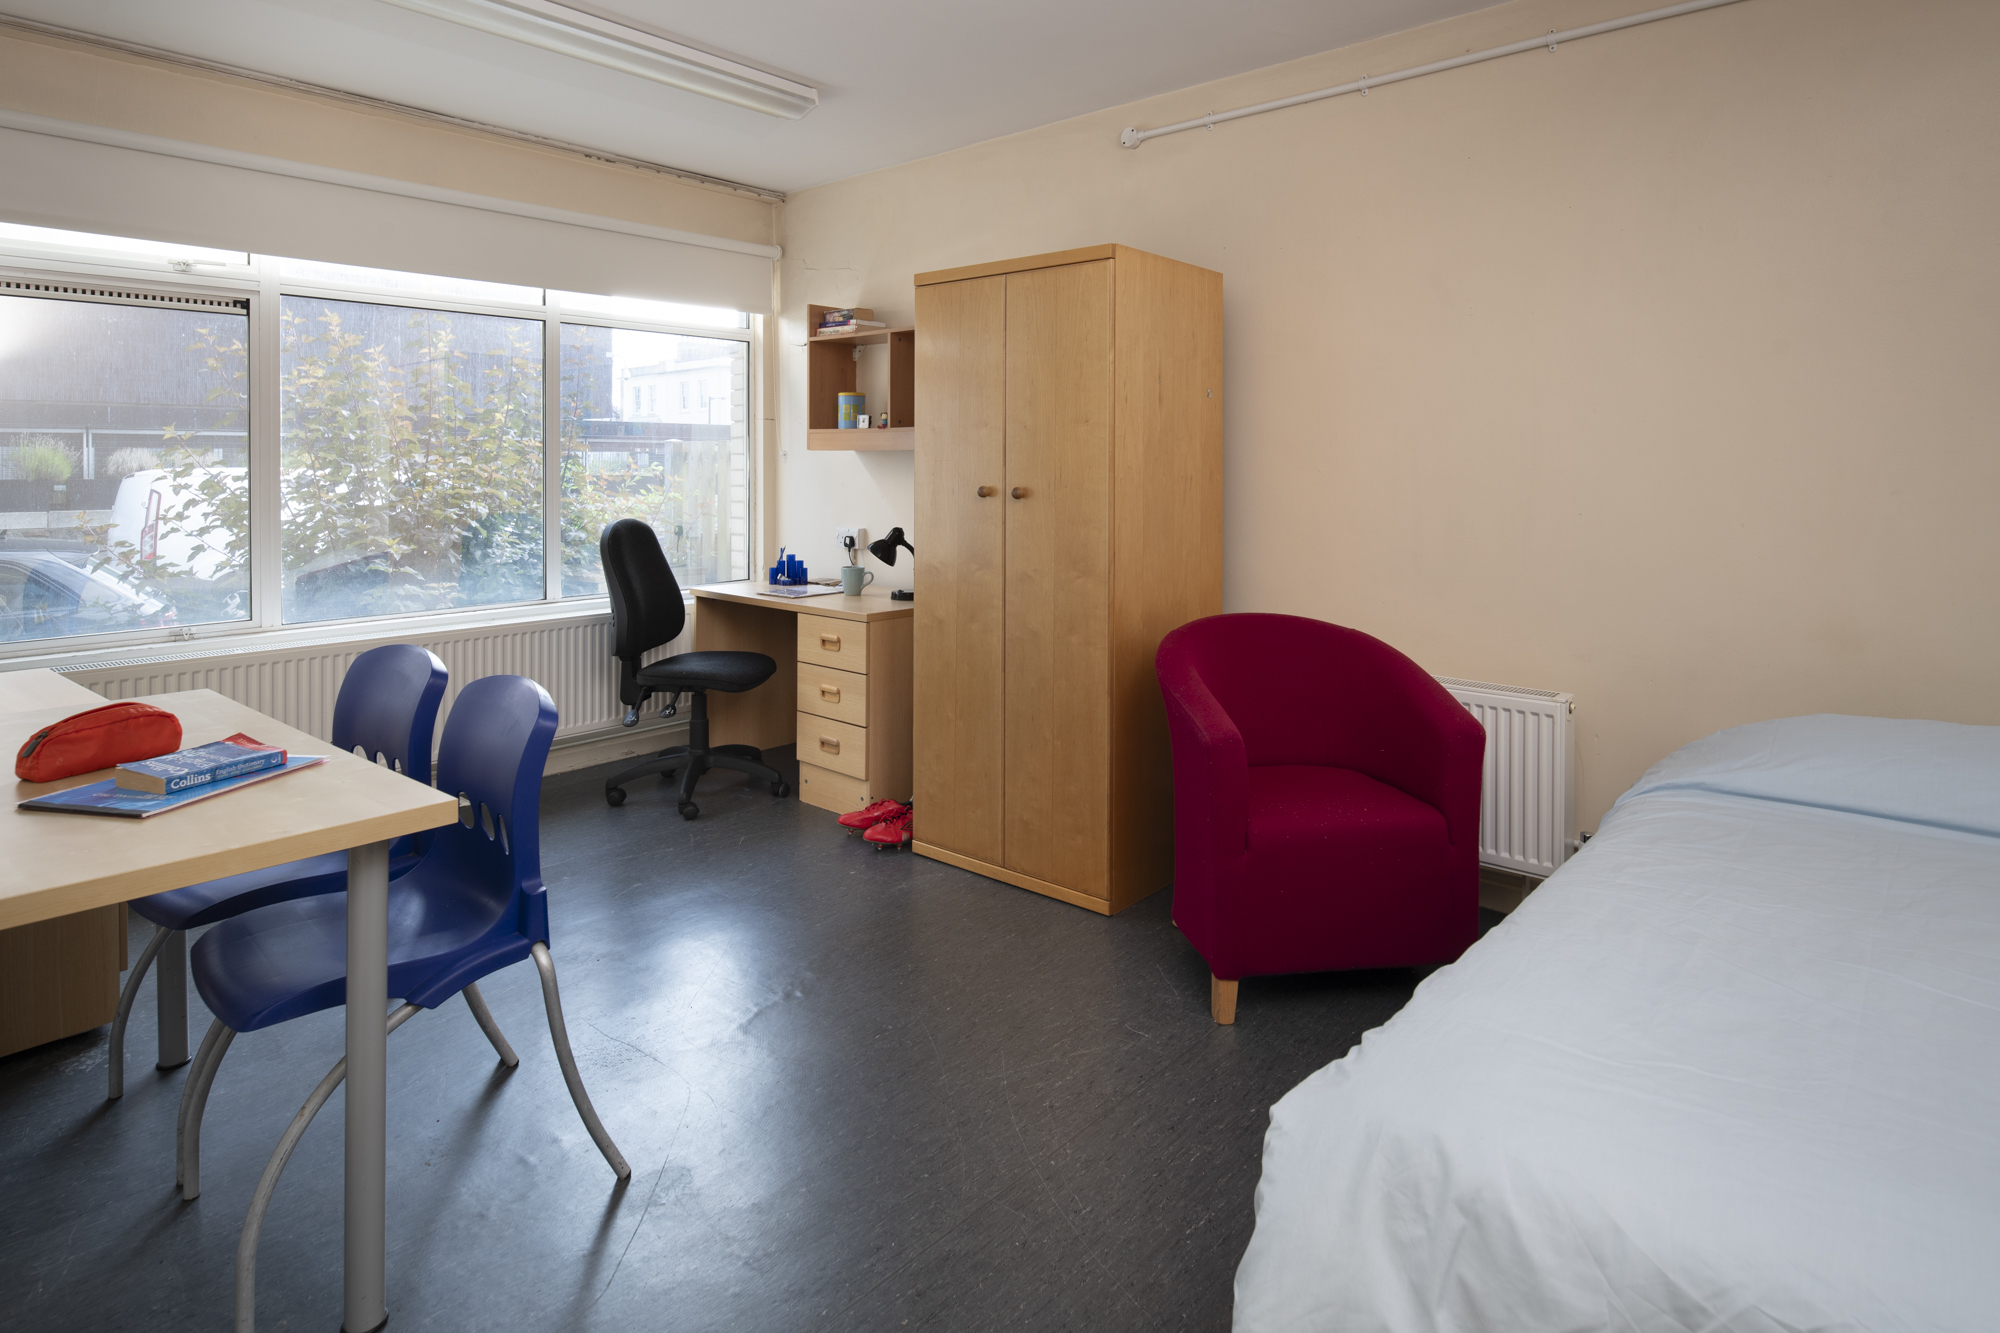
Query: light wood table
(841, 691)
(58, 864)
(59, 977)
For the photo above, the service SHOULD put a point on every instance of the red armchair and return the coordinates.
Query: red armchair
(1326, 801)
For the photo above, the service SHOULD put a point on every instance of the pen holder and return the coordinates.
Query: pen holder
(852, 405)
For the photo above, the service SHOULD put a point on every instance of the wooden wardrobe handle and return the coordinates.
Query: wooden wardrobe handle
(831, 744)
(985, 491)
(1020, 492)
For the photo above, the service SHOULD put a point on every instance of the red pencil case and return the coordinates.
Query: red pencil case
(97, 738)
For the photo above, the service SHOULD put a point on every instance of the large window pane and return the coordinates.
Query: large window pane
(411, 449)
(655, 426)
(124, 501)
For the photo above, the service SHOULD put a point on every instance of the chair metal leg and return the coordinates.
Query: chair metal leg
(559, 1034)
(267, 1184)
(171, 986)
(201, 1057)
(125, 996)
(194, 1100)
(477, 1003)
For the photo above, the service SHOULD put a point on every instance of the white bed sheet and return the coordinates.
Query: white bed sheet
(1734, 1067)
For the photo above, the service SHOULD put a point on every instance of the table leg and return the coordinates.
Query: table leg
(367, 1088)
(170, 984)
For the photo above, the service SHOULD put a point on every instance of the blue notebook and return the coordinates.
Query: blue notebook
(108, 798)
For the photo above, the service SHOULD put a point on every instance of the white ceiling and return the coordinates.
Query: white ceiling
(898, 79)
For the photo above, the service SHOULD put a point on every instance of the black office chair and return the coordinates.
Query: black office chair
(646, 611)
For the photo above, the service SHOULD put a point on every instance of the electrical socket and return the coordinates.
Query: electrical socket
(840, 536)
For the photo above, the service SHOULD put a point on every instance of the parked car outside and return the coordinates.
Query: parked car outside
(50, 590)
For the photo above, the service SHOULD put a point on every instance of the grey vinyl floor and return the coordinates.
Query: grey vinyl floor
(859, 1090)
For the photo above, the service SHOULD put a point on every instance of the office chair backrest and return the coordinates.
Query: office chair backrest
(496, 744)
(646, 608)
(388, 706)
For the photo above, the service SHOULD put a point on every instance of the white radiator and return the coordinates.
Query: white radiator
(1527, 801)
(296, 683)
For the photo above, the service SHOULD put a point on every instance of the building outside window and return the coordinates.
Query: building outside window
(409, 421)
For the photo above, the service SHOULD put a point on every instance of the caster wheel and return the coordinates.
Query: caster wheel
(781, 789)
(615, 795)
(671, 775)
(689, 809)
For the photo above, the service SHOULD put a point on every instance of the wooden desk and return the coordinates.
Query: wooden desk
(841, 692)
(58, 977)
(58, 864)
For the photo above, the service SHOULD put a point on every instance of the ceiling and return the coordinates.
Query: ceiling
(898, 79)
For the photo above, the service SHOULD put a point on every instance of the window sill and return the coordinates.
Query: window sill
(224, 641)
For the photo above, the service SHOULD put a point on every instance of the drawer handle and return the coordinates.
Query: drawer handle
(830, 642)
(831, 744)
(830, 693)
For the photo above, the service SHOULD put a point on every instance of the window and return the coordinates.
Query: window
(690, 481)
(123, 453)
(407, 419)
(410, 459)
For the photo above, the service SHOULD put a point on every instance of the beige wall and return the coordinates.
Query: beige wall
(1662, 369)
(51, 77)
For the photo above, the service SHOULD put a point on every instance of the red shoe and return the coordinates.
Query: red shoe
(857, 820)
(891, 832)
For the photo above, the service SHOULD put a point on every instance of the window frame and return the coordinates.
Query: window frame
(259, 283)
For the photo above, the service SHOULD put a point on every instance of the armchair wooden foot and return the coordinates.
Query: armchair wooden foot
(1221, 999)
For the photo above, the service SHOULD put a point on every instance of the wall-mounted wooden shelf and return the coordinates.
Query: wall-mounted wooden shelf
(866, 338)
(830, 367)
(896, 437)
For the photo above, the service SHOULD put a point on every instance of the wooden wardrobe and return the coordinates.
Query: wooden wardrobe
(1069, 514)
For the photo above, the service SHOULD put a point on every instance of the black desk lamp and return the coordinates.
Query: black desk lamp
(884, 549)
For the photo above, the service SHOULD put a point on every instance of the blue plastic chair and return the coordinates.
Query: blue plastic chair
(472, 905)
(387, 709)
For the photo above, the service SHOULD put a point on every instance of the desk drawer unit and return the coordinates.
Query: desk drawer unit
(840, 695)
(841, 644)
(854, 710)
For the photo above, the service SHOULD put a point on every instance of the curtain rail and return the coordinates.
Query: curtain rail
(1133, 137)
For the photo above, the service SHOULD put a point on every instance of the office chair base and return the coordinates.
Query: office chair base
(688, 763)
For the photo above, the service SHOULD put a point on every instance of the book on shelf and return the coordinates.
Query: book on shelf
(199, 765)
(108, 798)
(852, 326)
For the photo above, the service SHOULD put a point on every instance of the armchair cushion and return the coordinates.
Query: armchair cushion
(1337, 864)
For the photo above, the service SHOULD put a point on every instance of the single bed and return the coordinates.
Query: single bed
(1736, 1066)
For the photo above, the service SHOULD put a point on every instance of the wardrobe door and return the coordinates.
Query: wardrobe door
(959, 697)
(1058, 547)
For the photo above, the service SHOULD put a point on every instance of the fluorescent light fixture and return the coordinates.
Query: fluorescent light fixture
(572, 32)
